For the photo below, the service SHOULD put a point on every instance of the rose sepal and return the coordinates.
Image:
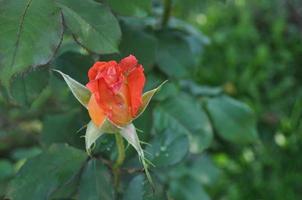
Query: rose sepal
(79, 91)
(128, 132)
(146, 98)
(93, 132)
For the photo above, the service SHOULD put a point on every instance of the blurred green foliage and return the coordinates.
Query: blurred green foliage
(255, 54)
(227, 125)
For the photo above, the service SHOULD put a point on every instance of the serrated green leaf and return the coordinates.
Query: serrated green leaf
(44, 174)
(28, 37)
(135, 189)
(174, 56)
(75, 64)
(92, 24)
(167, 149)
(62, 128)
(140, 43)
(26, 88)
(132, 8)
(80, 92)
(187, 188)
(96, 182)
(204, 170)
(171, 89)
(233, 120)
(67, 190)
(183, 115)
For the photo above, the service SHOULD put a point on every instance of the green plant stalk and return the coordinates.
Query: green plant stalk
(120, 158)
(166, 12)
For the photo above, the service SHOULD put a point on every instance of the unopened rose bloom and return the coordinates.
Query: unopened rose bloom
(116, 91)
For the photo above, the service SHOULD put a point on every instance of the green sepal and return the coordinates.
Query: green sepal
(130, 134)
(147, 96)
(93, 132)
(81, 93)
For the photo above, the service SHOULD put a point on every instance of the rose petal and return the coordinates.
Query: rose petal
(127, 64)
(92, 86)
(96, 113)
(136, 81)
(116, 106)
(93, 71)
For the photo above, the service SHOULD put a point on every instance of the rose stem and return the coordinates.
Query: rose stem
(120, 158)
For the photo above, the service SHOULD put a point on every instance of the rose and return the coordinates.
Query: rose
(116, 91)
(113, 97)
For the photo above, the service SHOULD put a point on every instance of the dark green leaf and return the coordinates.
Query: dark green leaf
(204, 170)
(28, 87)
(24, 153)
(63, 128)
(96, 182)
(132, 7)
(187, 189)
(194, 37)
(6, 169)
(92, 25)
(28, 36)
(143, 123)
(233, 120)
(139, 189)
(183, 115)
(200, 90)
(75, 64)
(154, 80)
(168, 149)
(44, 174)
(170, 90)
(68, 190)
(139, 43)
(135, 189)
(174, 56)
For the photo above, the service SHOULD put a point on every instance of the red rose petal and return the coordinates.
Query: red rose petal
(116, 106)
(93, 71)
(136, 81)
(127, 64)
(117, 90)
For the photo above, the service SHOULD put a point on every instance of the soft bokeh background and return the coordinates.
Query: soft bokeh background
(255, 54)
(227, 125)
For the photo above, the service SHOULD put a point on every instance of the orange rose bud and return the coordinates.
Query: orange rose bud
(116, 90)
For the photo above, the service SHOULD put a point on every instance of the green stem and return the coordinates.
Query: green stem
(120, 158)
(166, 13)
